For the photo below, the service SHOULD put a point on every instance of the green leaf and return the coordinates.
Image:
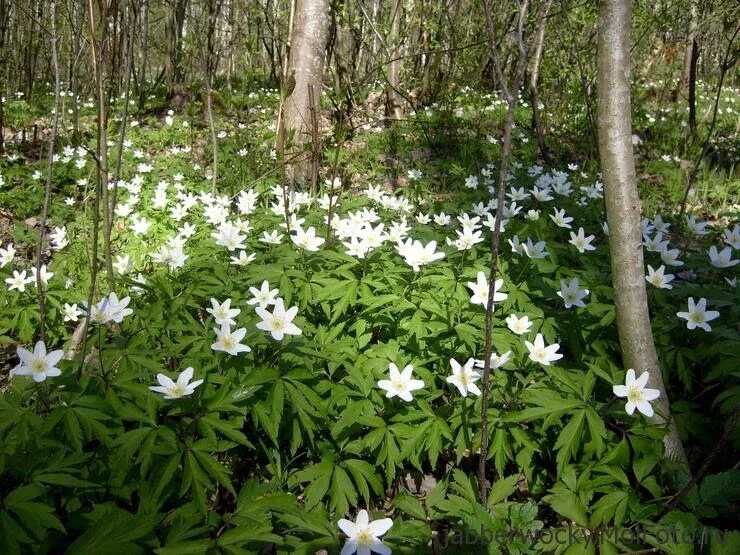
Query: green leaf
(501, 489)
(612, 507)
(410, 505)
(567, 504)
(218, 471)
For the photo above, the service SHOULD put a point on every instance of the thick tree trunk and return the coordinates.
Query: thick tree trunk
(623, 210)
(306, 70)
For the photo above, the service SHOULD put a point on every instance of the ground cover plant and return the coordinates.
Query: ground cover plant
(249, 367)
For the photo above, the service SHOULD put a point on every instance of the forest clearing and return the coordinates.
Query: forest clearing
(353, 276)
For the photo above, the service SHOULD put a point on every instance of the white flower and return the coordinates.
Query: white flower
(279, 322)
(139, 226)
(571, 293)
(695, 227)
(698, 315)
(496, 361)
(228, 236)
(307, 239)
(519, 326)
(441, 219)
(173, 256)
(534, 250)
(362, 535)
(223, 314)
(230, 342)
(659, 278)
(7, 255)
(38, 364)
(480, 290)
(400, 383)
(471, 182)
(263, 296)
(732, 237)
(71, 312)
(670, 257)
(538, 352)
(123, 264)
(638, 396)
(19, 281)
(243, 259)
(415, 254)
(110, 309)
(467, 238)
(43, 274)
(723, 258)
(175, 390)
(273, 238)
(464, 377)
(560, 219)
(581, 242)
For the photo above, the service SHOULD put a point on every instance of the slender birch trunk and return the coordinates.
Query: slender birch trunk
(306, 69)
(623, 210)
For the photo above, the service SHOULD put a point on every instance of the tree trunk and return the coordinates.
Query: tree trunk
(534, 75)
(306, 70)
(688, 53)
(692, 86)
(623, 210)
(394, 102)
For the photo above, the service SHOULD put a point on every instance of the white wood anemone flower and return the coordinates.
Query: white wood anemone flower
(638, 396)
(400, 383)
(176, 390)
(363, 535)
(38, 364)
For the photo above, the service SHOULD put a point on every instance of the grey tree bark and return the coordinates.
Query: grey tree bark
(623, 211)
(305, 71)
(394, 102)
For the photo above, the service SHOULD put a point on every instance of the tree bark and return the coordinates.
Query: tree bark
(305, 69)
(534, 75)
(394, 102)
(623, 211)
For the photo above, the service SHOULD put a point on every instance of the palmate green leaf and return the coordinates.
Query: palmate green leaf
(195, 479)
(35, 515)
(130, 442)
(343, 494)
(567, 504)
(612, 507)
(500, 449)
(195, 547)
(351, 415)
(319, 475)
(215, 469)
(347, 299)
(410, 505)
(501, 489)
(229, 428)
(569, 440)
(115, 531)
(61, 479)
(363, 474)
(255, 533)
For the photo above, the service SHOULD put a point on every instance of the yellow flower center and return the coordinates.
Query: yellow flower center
(635, 394)
(365, 538)
(177, 390)
(38, 366)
